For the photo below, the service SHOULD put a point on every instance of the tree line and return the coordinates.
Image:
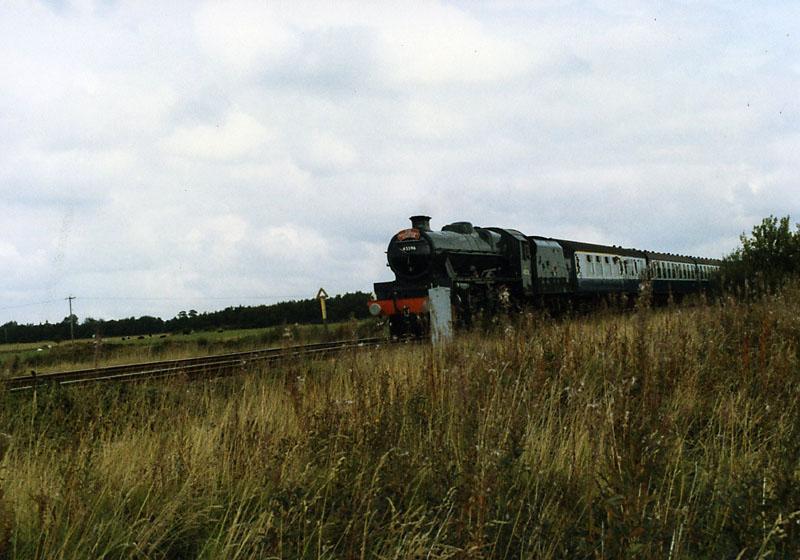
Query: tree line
(339, 307)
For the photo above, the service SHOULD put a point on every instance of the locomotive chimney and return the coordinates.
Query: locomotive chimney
(422, 223)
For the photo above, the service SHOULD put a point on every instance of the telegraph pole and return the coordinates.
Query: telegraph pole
(71, 320)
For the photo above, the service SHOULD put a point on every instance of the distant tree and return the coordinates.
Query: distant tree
(90, 327)
(64, 328)
(10, 327)
(767, 258)
(70, 319)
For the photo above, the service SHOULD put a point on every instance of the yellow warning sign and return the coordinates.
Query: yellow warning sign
(322, 295)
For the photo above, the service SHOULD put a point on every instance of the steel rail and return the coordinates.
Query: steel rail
(215, 365)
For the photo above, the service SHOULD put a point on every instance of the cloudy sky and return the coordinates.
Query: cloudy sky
(160, 156)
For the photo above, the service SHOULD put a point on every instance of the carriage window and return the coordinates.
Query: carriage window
(606, 260)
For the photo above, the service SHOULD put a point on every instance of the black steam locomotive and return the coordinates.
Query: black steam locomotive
(491, 268)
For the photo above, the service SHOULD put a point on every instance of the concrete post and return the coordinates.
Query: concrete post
(441, 314)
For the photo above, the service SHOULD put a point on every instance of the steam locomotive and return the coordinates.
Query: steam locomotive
(490, 268)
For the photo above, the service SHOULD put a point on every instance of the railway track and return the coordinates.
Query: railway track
(205, 366)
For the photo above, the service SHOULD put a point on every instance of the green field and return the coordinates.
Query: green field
(667, 433)
(45, 356)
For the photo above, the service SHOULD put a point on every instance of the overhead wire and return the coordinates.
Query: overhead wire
(18, 306)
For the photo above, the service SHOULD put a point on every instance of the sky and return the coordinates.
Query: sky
(165, 156)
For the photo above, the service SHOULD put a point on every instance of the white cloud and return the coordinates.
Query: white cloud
(324, 150)
(219, 238)
(436, 44)
(238, 136)
(290, 243)
(8, 251)
(243, 36)
(39, 176)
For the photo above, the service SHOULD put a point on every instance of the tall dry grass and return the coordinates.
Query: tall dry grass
(670, 433)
